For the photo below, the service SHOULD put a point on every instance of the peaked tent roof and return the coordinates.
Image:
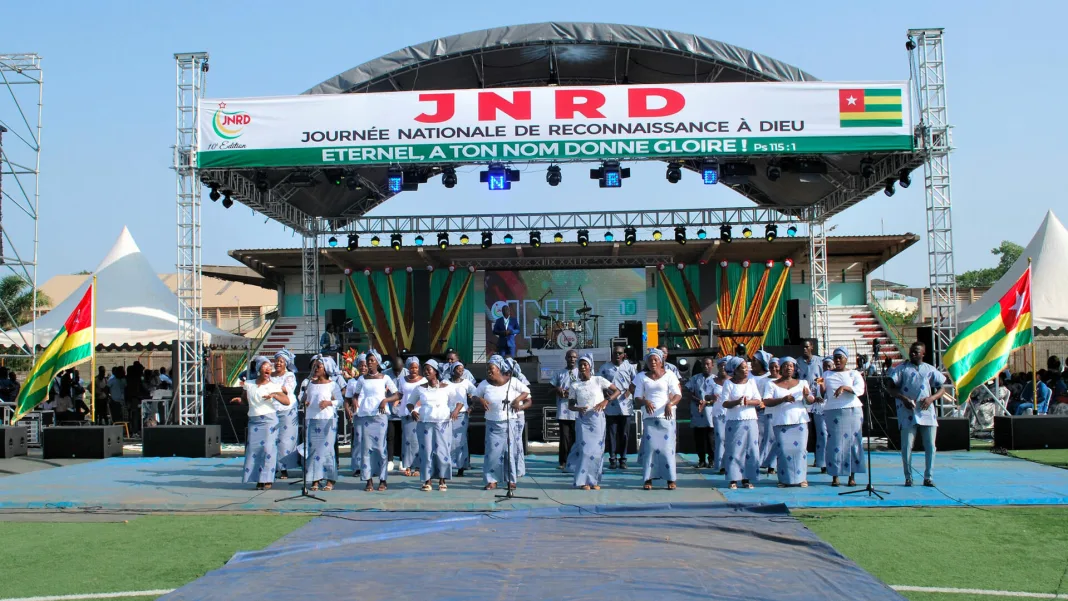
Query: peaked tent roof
(1048, 251)
(134, 308)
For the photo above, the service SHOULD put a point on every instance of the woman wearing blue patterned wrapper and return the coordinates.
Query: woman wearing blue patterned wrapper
(432, 411)
(787, 398)
(741, 398)
(261, 444)
(321, 398)
(375, 393)
(844, 415)
(406, 386)
(657, 391)
(285, 376)
(502, 431)
(586, 396)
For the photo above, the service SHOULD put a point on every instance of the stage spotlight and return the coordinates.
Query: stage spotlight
(773, 172)
(394, 179)
(375, 241)
(710, 172)
(395, 241)
(498, 177)
(558, 237)
(260, 180)
(487, 239)
(657, 235)
(334, 176)
(680, 235)
(535, 239)
(747, 233)
(609, 237)
(702, 234)
(508, 238)
(791, 231)
(332, 242)
(889, 188)
(352, 182)
(448, 176)
(725, 234)
(771, 232)
(418, 240)
(584, 238)
(464, 239)
(910, 44)
(214, 194)
(610, 174)
(443, 240)
(867, 169)
(227, 202)
(553, 175)
(630, 236)
(354, 241)
(674, 172)
(904, 179)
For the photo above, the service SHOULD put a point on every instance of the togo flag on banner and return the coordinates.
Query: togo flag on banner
(72, 345)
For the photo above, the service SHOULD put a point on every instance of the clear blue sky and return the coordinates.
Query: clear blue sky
(109, 107)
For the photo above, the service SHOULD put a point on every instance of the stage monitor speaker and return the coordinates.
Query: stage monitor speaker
(13, 439)
(81, 442)
(925, 334)
(798, 320)
(632, 330)
(336, 318)
(954, 434)
(1013, 432)
(182, 441)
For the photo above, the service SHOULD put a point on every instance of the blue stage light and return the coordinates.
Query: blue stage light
(418, 240)
(395, 179)
(498, 177)
(609, 237)
(332, 242)
(508, 238)
(710, 172)
(702, 234)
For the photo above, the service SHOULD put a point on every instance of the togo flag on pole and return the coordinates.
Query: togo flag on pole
(982, 350)
(72, 345)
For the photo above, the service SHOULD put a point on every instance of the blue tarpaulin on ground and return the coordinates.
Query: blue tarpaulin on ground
(661, 552)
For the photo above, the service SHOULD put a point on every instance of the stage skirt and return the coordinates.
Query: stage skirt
(657, 452)
(261, 449)
(845, 449)
(493, 467)
(373, 460)
(719, 424)
(410, 457)
(587, 454)
(791, 451)
(461, 456)
(288, 441)
(435, 439)
(742, 443)
(321, 436)
(820, 423)
(767, 439)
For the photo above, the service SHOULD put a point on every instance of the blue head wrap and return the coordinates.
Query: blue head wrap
(451, 369)
(827, 360)
(376, 355)
(291, 363)
(722, 361)
(588, 358)
(361, 358)
(734, 364)
(433, 365)
(413, 360)
(786, 360)
(841, 351)
(512, 366)
(499, 363)
(774, 361)
(258, 365)
(764, 357)
(653, 351)
(330, 367)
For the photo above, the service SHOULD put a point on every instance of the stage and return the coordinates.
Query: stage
(206, 485)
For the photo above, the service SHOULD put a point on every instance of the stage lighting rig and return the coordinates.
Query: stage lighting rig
(674, 172)
(771, 232)
(791, 231)
(657, 235)
(680, 235)
(214, 194)
(352, 182)
(375, 241)
(354, 241)
(610, 174)
(747, 233)
(725, 234)
(558, 237)
(630, 236)
(334, 176)
(498, 177)
(535, 239)
(553, 175)
(773, 172)
(888, 189)
(609, 237)
(259, 179)
(487, 239)
(332, 242)
(702, 234)
(904, 179)
(443, 240)
(867, 169)
(419, 240)
(395, 241)
(508, 238)
(584, 238)
(227, 202)
(448, 176)
(395, 179)
(464, 239)
(710, 172)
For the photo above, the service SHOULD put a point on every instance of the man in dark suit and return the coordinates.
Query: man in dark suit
(506, 327)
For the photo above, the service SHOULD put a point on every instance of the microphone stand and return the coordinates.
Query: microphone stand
(304, 492)
(871, 490)
(509, 491)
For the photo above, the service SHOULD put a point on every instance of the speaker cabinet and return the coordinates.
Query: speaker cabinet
(182, 441)
(81, 442)
(633, 330)
(13, 439)
(798, 320)
(953, 435)
(1031, 432)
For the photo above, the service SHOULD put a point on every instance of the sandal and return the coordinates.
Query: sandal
(851, 482)
(267, 486)
(733, 486)
(671, 486)
(283, 476)
(425, 487)
(370, 486)
(781, 485)
(804, 484)
(314, 487)
(407, 473)
(747, 484)
(511, 486)
(443, 487)
(585, 487)
(490, 486)
(596, 487)
(329, 486)
(648, 485)
(259, 486)
(834, 482)
(382, 486)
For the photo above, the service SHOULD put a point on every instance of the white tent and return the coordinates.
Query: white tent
(134, 309)
(1048, 251)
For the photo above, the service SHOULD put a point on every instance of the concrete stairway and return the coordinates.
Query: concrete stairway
(855, 327)
(288, 332)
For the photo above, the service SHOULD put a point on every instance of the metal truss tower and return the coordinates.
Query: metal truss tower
(927, 62)
(20, 170)
(820, 311)
(192, 71)
(310, 289)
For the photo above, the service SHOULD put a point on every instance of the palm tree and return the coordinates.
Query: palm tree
(16, 301)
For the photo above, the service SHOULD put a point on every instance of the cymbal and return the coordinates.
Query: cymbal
(545, 317)
(583, 310)
(557, 312)
(596, 316)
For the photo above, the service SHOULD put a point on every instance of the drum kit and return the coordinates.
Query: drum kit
(560, 331)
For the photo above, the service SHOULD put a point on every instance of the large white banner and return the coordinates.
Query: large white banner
(555, 123)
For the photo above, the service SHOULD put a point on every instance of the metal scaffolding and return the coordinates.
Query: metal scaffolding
(192, 71)
(21, 104)
(926, 57)
(310, 290)
(820, 311)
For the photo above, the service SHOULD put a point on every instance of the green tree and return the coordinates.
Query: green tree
(1007, 253)
(17, 299)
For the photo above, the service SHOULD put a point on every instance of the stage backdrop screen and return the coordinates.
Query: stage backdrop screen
(616, 295)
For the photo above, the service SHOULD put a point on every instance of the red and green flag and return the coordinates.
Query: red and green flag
(982, 350)
(72, 345)
(870, 108)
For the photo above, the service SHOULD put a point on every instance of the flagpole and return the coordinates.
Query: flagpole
(1034, 366)
(92, 370)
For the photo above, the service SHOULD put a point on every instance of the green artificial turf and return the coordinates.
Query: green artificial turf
(1021, 549)
(1054, 457)
(147, 553)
